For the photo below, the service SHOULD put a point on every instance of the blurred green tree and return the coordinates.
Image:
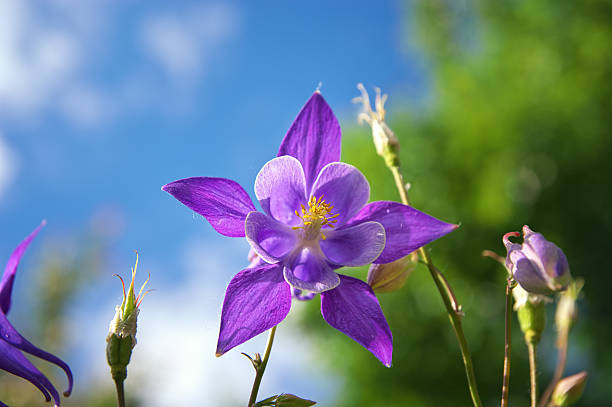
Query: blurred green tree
(517, 130)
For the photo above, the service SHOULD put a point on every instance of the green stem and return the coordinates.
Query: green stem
(507, 348)
(120, 393)
(532, 373)
(561, 360)
(262, 367)
(452, 307)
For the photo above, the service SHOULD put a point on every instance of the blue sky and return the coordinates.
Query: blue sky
(101, 103)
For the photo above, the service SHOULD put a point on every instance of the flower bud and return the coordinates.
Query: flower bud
(385, 141)
(389, 277)
(568, 390)
(121, 337)
(538, 265)
(531, 313)
(567, 312)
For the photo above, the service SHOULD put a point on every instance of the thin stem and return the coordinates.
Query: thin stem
(452, 308)
(507, 347)
(561, 360)
(262, 367)
(120, 393)
(532, 373)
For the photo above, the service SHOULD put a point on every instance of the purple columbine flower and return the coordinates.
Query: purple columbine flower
(12, 343)
(315, 220)
(538, 265)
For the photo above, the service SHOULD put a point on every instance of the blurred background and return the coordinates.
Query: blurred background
(503, 114)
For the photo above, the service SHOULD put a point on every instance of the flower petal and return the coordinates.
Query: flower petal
(8, 278)
(280, 188)
(14, 362)
(9, 334)
(309, 271)
(223, 202)
(256, 300)
(314, 138)
(527, 274)
(344, 187)
(354, 245)
(270, 239)
(407, 229)
(352, 308)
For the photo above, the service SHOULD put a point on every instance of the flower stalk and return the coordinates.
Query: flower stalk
(533, 370)
(260, 367)
(507, 344)
(387, 146)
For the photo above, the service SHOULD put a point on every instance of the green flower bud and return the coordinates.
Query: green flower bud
(567, 312)
(121, 337)
(389, 277)
(531, 313)
(568, 390)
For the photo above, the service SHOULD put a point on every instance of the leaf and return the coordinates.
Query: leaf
(291, 400)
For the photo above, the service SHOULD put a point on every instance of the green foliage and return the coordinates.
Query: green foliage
(518, 131)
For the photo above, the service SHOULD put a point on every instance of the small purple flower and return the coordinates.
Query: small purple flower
(538, 265)
(315, 220)
(12, 343)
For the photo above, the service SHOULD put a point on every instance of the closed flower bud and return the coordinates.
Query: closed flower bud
(121, 337)
(538, 265)
(388, 277)
(568, 390)
(567, 312)
(531, 313)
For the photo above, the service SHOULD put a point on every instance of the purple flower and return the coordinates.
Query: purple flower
(12, 343)
(315, 220)
(538, 265)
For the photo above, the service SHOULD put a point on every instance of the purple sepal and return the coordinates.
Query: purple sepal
(8, 278)
(256, 300)
(223, 202)
(353, 309)
(9, 334)
(14, 362)
(313, 138)
(406, 228)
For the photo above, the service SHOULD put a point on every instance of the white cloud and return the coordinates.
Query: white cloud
(182, 42)
(36, 58)
(52, 53)
(8, 163)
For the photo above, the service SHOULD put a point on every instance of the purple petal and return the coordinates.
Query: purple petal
(14, 362)
(256, 300)
(8, 278)
(406, 228)
(280, 188)
(270, 239)
(309, 271)
(352, 308)
(9, 334)
(354, 245)
(545, 254)
(314, 138)
(527, 274)
(223, 202)
(344, 187)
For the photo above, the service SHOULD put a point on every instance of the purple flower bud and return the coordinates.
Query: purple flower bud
(538, 265)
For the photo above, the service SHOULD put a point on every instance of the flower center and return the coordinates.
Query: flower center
(316, 216)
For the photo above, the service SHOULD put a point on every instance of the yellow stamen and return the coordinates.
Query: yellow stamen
(316, 216)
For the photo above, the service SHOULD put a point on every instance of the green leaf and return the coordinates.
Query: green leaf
(291, 400)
